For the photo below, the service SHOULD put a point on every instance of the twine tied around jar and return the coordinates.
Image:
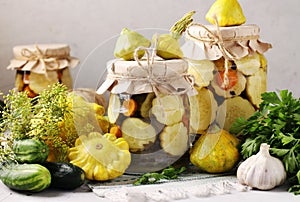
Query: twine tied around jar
(161, 82)
(217, 39)
(48, 63)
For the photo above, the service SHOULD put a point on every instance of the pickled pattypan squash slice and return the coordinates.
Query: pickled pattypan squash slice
(168, 109)
(203, 109)
(226, 12)
(114, 108)
(138, 134)
(263, 61)
(174, 139)
(102, 157)
(249, 64)
(66, 78)
(127, 42)
(202, 70)
(231, 109)
(39, 82)
(256, 85)
(168, 46)
(19, 83)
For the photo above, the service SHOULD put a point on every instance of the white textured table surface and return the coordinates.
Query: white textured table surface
(83, 195)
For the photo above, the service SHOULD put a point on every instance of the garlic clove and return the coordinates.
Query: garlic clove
(262, 171)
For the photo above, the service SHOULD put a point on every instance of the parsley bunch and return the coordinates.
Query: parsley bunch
(277, 123)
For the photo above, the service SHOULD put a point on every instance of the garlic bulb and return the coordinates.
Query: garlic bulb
(262, 171)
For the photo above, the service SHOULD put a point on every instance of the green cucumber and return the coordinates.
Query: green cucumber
(30, 150)
(65, 175)
(25, 177)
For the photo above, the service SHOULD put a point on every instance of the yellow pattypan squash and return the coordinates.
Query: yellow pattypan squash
(227, 12)
(127, 42)
(102, 157)
(81, 117)
(168, 47)
(215, 151)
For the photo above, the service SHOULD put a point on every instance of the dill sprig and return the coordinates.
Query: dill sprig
(42, 117)
(15, 121)
(55, 116)
(16, 114)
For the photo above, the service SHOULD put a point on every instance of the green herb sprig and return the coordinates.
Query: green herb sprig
(16, 114)
(15, 122)
(166, 174)
(42, 117)
(277, 123)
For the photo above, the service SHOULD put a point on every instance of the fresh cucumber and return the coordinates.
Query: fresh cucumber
(30, 151)
(65, 175)
(25, 177)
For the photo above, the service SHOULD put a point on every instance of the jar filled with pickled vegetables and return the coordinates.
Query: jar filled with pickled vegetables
(228, 63)
(39, 66)
(148, 97)
(148, 103)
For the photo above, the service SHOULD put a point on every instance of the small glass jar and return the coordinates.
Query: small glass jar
(229, 63)
(148, 102)
(41, 65)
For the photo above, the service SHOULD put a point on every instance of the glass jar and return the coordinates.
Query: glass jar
(41, 65)
(229, 63)
(148, 102)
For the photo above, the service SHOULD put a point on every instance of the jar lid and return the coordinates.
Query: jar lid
(235, 41)
(40, 58)
(162, 76)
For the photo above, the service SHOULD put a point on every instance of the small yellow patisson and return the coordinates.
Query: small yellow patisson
(127, 43)
(226, 12)
(215, 151)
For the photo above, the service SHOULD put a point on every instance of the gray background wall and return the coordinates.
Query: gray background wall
(90, 27)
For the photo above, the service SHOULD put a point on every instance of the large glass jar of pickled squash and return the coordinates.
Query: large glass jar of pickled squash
(148, 102)
(228, 63)
(38, 66)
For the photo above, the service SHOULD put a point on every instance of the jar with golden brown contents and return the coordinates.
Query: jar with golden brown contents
(39, 66)
(232, 68)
